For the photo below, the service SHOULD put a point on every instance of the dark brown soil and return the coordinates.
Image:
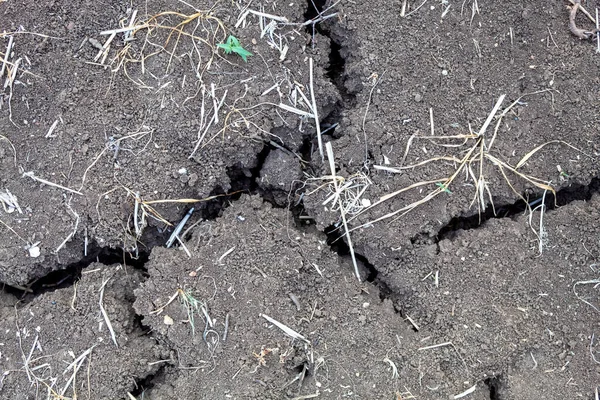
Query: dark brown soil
(43, 338)
(454, 301)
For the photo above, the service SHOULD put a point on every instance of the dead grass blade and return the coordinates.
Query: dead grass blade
(331, 159)
(104, 313)
(2, 137)
(478, 153)
(527, 156)
(187, 26)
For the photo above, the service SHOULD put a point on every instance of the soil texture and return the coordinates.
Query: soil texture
(310, 200)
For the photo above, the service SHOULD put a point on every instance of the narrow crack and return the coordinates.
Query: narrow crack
(574, 192)
(242, 180)
(337, 74)
(148, 382)
(369, 271)
(494, 385)
(336, 70)
(339, 246)
(67, 276)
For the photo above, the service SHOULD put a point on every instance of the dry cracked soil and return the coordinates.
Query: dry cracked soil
(384, 200)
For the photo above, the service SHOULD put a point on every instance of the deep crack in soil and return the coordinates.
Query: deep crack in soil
(494, 385)
(148, 382)
(336, 73)
(565, 196)
(245, 180)
(336, 70)
(60, 279)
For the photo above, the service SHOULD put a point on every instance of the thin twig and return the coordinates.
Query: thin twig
(314, 110)
(342, 210)
(364, 121)
(597, 32)
(6, 55)
(72, 234)
(179, 228)
(105, 315)
(286, 329)
(583, 10)
(595, 282)
(416, 9)
(403, 11)
(45, 182)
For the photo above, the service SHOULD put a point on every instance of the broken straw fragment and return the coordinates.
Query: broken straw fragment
(286, 329)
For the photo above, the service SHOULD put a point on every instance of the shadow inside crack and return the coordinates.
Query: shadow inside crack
(493, 385)
(337, 242)
(148, 382)
(67, 276)
(564, 196)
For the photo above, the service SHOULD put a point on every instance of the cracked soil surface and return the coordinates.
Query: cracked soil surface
(465, 140)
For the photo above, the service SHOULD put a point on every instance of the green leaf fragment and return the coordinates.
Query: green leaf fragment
(242, 53)
(225, 47)
(233, 41)
(233, 45)
(444, 188)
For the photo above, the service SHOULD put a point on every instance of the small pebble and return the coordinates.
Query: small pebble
(34, 251)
